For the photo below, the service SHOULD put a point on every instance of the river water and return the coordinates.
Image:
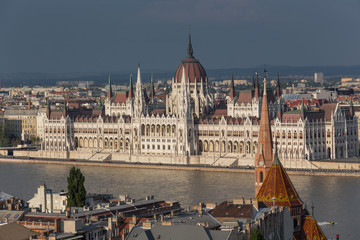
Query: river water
(336, 199)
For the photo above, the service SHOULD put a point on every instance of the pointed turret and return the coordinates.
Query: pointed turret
(131, 89)
(278, 190)
(152, 90)
(48, 109)
(257, 86)
(65, 105)
(139, 96)
(278, 90)
(351, 110)
(253, 81)
(184, 97)
(232, 87)
(190, 51)
(277, 187)
(109, 93)
(302, 110)
(264, 155)
(279, 112)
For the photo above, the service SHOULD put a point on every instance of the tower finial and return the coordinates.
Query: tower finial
(190, 49)
(265, 81)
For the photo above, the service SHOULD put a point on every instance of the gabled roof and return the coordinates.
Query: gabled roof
(329, 110)
(120, 97)
(15, 231)
(245, 97)
(310, 229)
(278, 184)
(228, 209)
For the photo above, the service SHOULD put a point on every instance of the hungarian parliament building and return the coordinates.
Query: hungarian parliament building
(194, 128)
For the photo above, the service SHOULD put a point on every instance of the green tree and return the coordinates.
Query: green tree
(76, 189)
(256, 235)
(4, 140)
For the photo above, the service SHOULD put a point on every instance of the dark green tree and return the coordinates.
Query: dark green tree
(256, 235)
(4, 140)
(76, 189)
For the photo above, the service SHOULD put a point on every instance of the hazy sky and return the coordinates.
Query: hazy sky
(116, 35)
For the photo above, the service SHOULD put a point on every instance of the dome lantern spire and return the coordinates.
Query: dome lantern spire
(190, 49)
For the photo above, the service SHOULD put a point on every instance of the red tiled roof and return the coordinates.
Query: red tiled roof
(310, 229)
(120, 97)
(245, 97)
(278, 184)
(329, 109)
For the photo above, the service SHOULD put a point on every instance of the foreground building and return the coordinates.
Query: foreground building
(192, 129)
(273, 186)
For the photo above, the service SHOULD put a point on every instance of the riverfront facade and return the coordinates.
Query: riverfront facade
(192, 127)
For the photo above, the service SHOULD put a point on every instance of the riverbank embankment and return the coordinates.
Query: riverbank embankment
(308, 172)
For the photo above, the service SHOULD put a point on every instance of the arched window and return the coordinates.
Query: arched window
(261, 177)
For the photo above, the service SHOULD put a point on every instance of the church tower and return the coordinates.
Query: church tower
(264, 154)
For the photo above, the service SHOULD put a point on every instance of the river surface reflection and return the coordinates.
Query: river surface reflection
(336, 199)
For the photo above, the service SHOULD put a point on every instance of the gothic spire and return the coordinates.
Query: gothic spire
(257, 86)
(232, 87)
(190, 49)
(152, 90)
(264, 155)
(279, 113)
(131, 89)
(302, 113)
(253, 81)
(109, 94)
(352, 111)
(48, 110)
(139, 96)
(138, 77)
(278, 90)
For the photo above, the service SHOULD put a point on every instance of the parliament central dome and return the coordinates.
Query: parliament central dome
(194, 71)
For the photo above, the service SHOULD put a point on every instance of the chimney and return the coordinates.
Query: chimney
(147, 225)
(133, 219)
(110, 223)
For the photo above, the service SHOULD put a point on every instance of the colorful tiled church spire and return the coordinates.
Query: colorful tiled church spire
(264, 154)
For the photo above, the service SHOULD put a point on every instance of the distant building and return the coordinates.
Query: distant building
(19, 121)
(319, 77)
(192, 127)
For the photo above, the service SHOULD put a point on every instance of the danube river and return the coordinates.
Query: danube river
(336, 199)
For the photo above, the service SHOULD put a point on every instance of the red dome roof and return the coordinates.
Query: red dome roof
(193, 68)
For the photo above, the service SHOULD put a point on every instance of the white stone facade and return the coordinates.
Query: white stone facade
(47, 201)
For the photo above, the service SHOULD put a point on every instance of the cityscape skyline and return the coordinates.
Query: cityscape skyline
(64, 36)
